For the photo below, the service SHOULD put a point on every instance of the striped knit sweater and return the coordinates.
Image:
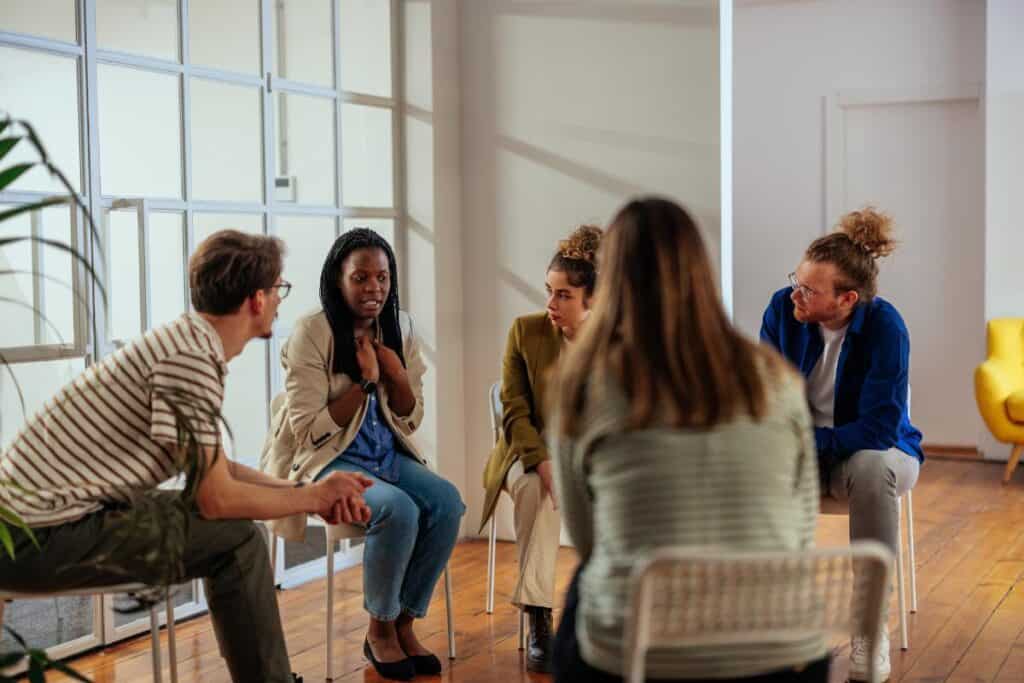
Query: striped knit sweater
(742, 485)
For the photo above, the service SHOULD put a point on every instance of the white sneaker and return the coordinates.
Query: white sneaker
(860, 665)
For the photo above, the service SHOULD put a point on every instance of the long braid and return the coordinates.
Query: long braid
(339, 316)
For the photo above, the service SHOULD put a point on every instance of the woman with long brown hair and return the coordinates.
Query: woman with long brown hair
(671, 428)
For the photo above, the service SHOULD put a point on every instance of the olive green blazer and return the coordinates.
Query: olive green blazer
(532, 350)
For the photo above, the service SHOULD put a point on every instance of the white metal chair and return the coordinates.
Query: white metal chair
(494, 405)
(334, 534)
(154, 619)
(831, 506)
(699, 597)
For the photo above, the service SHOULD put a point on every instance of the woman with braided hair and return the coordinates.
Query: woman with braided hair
(519, 463)
(353, 397)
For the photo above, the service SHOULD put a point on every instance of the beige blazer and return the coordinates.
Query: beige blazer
(303, 438)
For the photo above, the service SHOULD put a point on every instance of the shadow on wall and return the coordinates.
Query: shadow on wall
(569, 109)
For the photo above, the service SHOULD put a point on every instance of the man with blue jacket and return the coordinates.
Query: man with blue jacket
(854, 351)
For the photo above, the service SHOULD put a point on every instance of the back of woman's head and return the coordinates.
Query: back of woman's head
(861, 238)
(658, 330)
(576, 256)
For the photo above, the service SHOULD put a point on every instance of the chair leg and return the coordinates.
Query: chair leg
(448, 612)
(904, 644)
(329, 666)
(172, 645)
(492, 540)
(1011, 465)
(522, 629)
(154, 634)
(910, 547)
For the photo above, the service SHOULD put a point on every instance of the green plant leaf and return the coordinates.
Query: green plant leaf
(56, 244)
(7, 144)
(17, 637)
(49, 201)
(68, 671)
(35, 671)
(10, 659)
(9, 175)
(5, 538)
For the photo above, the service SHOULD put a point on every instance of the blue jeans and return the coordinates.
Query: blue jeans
(412, 530)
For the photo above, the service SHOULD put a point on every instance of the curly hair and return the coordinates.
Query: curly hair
(339, 315)
(577, 257)
(861, 238)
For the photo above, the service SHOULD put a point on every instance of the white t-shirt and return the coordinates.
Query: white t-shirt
(821, 383)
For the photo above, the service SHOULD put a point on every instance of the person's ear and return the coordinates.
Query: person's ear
(850, 298)
(257, 302)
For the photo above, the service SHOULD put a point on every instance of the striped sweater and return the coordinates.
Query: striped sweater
(742, 485)
(112, 431)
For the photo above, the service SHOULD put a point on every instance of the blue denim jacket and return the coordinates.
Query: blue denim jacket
(871, 411)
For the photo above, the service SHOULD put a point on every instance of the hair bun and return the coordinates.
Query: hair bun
(582, 244)
(869, 229)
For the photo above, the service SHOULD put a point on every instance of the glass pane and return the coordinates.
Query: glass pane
(43, 90)
(305, 149)
(301, 34)
(227, 149)
(46, 18)
(312, 547)
(205, 224)
(385, 227)
(17, 289)
(182, 595)
(225, 34)
(123, 290)
(308, 239)
(47, 622)
(366, 47)
(246, 403)
(37, 383)
(58, 296)
(167, 267)
(140, 132)
(245, 396)
(145, 28)
(366, 156)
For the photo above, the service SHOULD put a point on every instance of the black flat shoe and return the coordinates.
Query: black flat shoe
(402, 670)
(426, 665)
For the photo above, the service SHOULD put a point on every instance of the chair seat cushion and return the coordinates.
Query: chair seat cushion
(1015, 406)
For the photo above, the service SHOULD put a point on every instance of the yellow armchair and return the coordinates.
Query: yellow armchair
(999, 386)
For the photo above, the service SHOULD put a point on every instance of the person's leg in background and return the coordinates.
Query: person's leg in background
(538, 530)
(871, 482)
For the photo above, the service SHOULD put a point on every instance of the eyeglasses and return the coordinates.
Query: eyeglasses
(806, 292)
(283, 288)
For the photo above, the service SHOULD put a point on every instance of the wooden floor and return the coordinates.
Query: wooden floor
(969, 627)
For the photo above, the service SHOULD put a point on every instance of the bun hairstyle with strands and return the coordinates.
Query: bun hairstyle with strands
(861, 238)
(339, 315)
(577, 257)
(658, 331)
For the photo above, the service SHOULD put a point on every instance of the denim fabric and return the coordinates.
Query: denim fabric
(410, 536)
(373, 449)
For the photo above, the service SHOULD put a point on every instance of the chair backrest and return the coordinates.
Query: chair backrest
(692, 597)
(494, 402)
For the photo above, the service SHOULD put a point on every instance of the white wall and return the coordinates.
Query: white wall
(1004, 168)
(789, 56)
(568, 109)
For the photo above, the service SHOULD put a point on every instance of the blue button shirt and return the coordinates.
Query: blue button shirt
(871, 410)
(374, 448)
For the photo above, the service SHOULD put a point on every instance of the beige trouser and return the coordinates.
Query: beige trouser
(538, 530)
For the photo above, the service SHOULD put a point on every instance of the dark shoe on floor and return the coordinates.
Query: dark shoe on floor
(402, 670)
(426, 665)
(296, 678)
(538, 645)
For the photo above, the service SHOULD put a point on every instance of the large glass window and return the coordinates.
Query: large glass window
(169, 132)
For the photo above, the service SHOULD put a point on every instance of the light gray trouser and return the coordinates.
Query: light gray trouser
(871, 482)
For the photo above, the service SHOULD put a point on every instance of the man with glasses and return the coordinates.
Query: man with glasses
(123, 427)
(854, 351)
